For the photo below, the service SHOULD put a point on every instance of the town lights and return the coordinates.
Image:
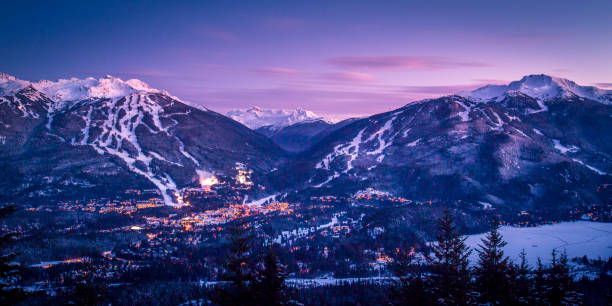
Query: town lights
(208, 182)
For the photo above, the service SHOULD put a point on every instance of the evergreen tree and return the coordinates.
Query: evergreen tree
(412, 287)
(449, 265)
(522, 281)
(270, 287)
(561, 286)
(9, 271)
(240, 274)
(87, 287)
(540, 289)
(493, 271)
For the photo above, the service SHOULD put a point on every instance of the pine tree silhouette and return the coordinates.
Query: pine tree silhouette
(270, 286)
(412, 287)
(493, 272)
(540, 289)
(240, 273)
(522, 282)
(561, 286)
(449, 265)
(9, 271)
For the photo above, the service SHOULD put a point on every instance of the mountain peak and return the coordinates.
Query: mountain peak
(256, 117)
(74, 89)
(6, 77)
(541, 87)
(80, 89)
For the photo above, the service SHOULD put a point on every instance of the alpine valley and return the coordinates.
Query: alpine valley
(540, 142)
(150, 189)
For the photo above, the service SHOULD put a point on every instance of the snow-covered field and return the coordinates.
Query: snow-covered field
(580, 238)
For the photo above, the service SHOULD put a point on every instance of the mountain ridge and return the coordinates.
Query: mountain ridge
(139, 135)
(541, 86)
(475, 146)
(256, 117)
(463, 148)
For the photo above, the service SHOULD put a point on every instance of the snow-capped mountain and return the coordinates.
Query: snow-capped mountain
(256, 117)
(537, 142)
(64, 90)
(508, 149)
(108, 134)
(540, 87)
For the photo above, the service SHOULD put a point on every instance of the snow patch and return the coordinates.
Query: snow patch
(563, 149)
(590, 167)
(538, 132)
(260, 201)
(414, 143)
(580, 238)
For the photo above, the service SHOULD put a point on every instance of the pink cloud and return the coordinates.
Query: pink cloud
(349, 77)
(402, 62)
(491, 81)
(604, 85)
(440, 90)
(275, 71)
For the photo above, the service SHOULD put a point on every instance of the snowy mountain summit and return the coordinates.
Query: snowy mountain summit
(541, 87)
(75, 89)
(256, 117)
(104, 135)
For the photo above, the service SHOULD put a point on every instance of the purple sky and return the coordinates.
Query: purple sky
(336, 58)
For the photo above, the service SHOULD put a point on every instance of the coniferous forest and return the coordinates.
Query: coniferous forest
(445, 276)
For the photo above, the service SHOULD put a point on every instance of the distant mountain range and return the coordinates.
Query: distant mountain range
(293, 130)
(256, 117)
(537, 142)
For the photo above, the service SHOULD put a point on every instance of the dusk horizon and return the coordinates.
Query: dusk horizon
(360, 55)
(306, 152)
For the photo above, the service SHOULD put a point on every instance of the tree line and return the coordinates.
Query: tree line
(443, 276)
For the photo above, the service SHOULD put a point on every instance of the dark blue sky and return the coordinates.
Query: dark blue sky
(337, 58)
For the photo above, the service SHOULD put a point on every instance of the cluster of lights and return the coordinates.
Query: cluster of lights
(208, 182)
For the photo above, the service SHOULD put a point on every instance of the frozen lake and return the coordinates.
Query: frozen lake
(579, 238)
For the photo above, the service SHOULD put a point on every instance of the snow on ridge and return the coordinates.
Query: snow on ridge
(540, 87)
(64, 91)
(564, 149)
(257, 117)
(9, 85)
(75, 89)
(81, 89)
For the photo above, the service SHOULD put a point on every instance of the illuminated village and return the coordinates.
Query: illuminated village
(140, 233)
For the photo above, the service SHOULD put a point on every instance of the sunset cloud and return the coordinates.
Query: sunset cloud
(440, 90)
(349, 77)
(402, 62)
(275, 71)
